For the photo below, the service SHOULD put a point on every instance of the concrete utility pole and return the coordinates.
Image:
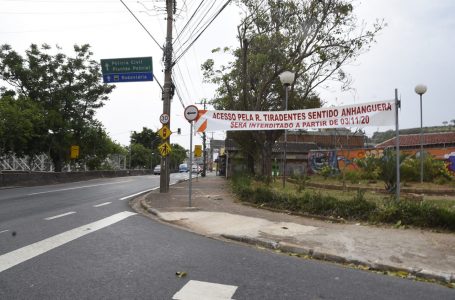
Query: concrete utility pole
(204, 147)
(167, 95)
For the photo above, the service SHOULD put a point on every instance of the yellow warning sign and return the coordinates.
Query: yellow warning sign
(164, 132)
(74, 151)
(165, 149)
(197, 150)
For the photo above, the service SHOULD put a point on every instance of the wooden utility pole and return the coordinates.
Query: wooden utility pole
(167, 93)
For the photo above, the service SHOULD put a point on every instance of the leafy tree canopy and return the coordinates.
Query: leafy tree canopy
(312, 38)
(68, 90)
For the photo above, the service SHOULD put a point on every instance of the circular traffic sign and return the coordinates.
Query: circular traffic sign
(164, 118)
(191, 113)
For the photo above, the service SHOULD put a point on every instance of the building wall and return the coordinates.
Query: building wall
(329, 141)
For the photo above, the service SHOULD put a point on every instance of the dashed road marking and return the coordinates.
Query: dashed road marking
(78, 187)
(3, 231)
(201, 290)
(59, 216)
(145, 191)
(102, 204)
(20, 255)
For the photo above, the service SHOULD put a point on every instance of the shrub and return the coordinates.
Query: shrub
(410, 169)
(241, 185)
(326, 171)
(433, 170)
(417, 213)
(369, 166)
(352, 176)
(406, 212)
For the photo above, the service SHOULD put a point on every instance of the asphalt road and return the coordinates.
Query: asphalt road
(82, 241)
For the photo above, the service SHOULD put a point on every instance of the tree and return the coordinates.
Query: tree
(178, 155)
(140, 156)
(150, 140)
(21, 126)
(147, 138)
(313, 38)
(67, 89)
(95, 147)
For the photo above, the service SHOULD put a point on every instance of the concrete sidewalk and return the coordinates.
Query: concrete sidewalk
(216, 213)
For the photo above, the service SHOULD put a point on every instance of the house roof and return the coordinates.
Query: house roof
(410, 140)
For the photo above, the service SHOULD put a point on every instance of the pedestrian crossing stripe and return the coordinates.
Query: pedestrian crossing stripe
(201, 290)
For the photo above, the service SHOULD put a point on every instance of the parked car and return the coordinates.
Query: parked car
(183, 168)
(157, 170)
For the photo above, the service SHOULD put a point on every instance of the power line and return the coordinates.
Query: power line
(142, 25)
(197, 37)
(196, 27)
(179, 96)
(194, 13)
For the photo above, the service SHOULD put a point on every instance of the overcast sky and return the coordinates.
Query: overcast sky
(417, 46)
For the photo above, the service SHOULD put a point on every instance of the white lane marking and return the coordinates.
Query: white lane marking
(78, 187)
(201, 290)
(4, 231)
(20, 255)
(59, 216)
(102, 204)
(145, 191)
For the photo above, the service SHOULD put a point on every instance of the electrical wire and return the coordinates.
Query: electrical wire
(142, 25)
(188, 22)
(196, 28)
(197, 37)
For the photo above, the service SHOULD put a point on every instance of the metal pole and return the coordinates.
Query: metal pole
(227, 162)
(285, 138)
(190, 169)
(397, 141)
(421, 141)
(164, 175)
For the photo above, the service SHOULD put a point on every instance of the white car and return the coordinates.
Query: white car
(157, 170)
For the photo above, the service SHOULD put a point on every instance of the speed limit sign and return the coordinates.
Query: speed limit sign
(164, 118)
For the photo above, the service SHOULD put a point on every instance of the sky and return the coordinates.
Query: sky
(415, 47)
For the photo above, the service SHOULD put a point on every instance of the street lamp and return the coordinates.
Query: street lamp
(286, 79)
(421, 89)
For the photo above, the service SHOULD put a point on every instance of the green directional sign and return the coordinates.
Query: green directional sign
(127, 65)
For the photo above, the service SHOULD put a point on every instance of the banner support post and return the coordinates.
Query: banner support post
(397, 140)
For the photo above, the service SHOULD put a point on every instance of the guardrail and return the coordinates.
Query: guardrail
(21, 178)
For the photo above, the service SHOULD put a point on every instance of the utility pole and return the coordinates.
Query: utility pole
(167, 94)
(204, 147)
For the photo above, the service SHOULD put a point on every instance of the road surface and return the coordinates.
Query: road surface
(82, 241)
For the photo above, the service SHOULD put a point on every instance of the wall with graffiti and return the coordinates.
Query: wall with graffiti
(344, 159)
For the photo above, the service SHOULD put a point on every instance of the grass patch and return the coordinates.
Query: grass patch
(358, 205)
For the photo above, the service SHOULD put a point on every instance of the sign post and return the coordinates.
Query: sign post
(191, 113)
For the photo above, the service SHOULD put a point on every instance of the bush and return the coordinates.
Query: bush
(369, 166)
(433, 170)
(417, 213)
(326, 171)
(241, 185)
(410, 170)
(353, 176)
(406, 212)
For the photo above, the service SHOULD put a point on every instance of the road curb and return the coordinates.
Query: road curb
(150, 209)
(311, 253)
